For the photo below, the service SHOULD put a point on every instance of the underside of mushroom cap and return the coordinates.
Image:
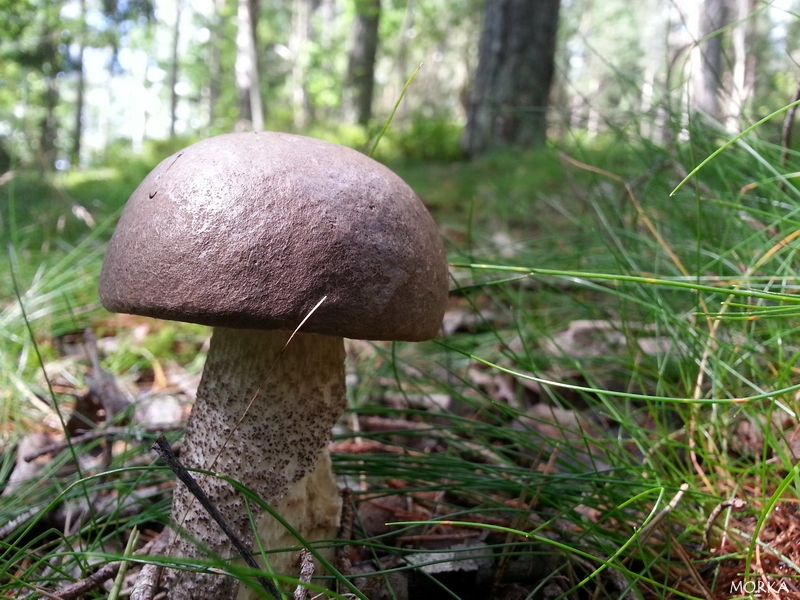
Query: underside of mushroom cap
(252, 230)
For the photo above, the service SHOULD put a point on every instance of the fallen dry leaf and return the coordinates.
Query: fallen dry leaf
(594, 338)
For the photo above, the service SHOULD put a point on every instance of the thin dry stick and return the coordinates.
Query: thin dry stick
(734, 504)
(97, 434)
(11, 525)
(147, 580)
(306, 573)
(42, 592)
(165, 452)
(648, 529)
(108, 571)
(655, 522)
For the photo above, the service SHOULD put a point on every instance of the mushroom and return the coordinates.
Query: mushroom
(254, 234)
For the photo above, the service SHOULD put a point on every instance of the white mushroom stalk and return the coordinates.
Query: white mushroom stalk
(265, 411)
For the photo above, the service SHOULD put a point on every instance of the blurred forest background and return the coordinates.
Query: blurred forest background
(87, 82)
(614, 339)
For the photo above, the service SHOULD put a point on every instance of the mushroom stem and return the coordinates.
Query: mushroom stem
(292, 396)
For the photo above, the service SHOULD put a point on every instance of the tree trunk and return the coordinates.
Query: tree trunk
(173, 75)
(508, 104)
(49, 124)
(48, 132)
(707, 75)
(75, 154)
(360, 79)
(301, 33)
(403, 71)
(742, 79)
(251, 110)
(215, 62)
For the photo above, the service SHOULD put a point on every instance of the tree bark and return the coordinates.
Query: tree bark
(251, 108)
(743, 64)
(173, 75)
(75, 154)
(360, 79)
(402, 55)
(508, 104)
(215, 62)
(708, 74)
(301, 33)
(49, 124)
(48, 128)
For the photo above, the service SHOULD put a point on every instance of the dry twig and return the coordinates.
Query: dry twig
(108, 571)
(306, 573)
(95, 434)
(146, 584)
(733, 503)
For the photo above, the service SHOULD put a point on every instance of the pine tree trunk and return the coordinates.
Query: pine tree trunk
(708, 76)
(360, 80)
(49, 124)
(173, 75)
(301, 33)
(251, 109)
(403, 71)
(509, 100)
(215, 62)
(75, 154)
(743, 64)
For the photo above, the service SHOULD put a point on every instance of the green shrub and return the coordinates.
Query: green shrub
(431, 139)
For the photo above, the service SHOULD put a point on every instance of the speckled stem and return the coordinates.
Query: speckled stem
(279, 450)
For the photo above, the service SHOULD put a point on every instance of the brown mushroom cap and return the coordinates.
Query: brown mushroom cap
(251, 230)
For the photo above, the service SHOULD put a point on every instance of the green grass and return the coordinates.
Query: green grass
(687, 395)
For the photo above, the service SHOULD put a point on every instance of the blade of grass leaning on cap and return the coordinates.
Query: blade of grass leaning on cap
(246, 233)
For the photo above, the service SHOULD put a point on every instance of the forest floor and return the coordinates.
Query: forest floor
(610, 411)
